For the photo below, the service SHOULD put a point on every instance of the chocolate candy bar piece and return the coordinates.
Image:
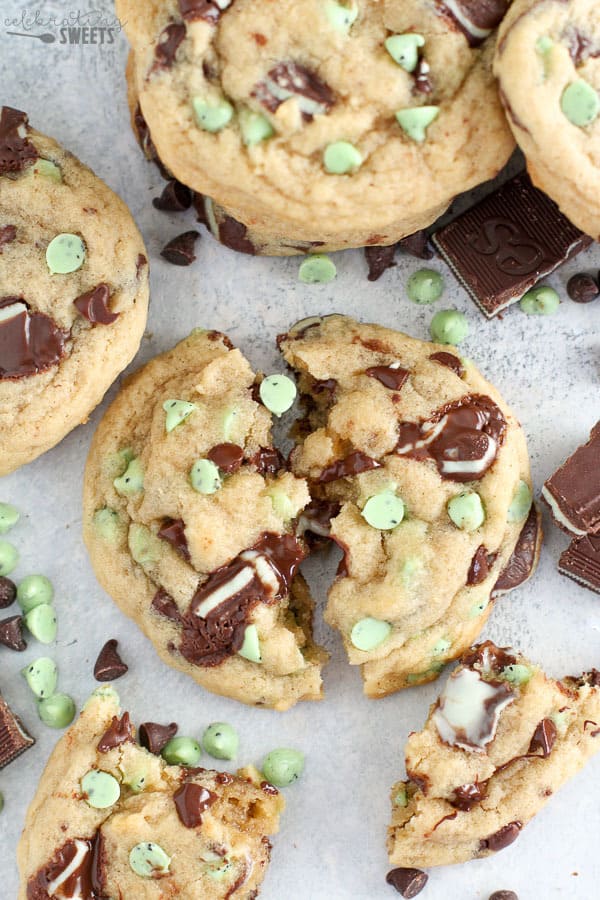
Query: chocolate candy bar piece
(14, 740)
(573, 492)
(505, 244)
(581, 562)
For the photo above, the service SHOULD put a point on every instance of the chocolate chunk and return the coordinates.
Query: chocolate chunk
(140, 263)
(212, 633)
(85, 880)
(501, 838)
(224, 778)
(379, 259)
(109, 664)
(93, 305)
(8, 592)
(233, 234)
(506, 243)
(316, 518)
(176, 197)
(120, 731)
(290, 79)
(180, 251)
(11, 633)
(191, 800)
(421, 76)
(475, 18)
(164, 604)
(480, 565)
(489, 657)
(486, 701)
(168, 45)
(153, 736)
(450, 361)
(29, 342)
(462, 438)
(388, 376)
(16, 151)
(353, 464)
(268, 789)
(573, 492)
(268, 461)
(228, 457)
(581, 561)
(7, 235)
(503, 895)
(14, 740)
(582, 288)
(208, 10)
(417, 244)
(543, 738)
(146, 143)
(408, 882)
(524, 557)
(468, 795)
(173, 531)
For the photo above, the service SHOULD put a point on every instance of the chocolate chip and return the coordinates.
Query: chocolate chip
(353, 464)
(501, 838)
(168, 44)
(582, 288)
(11, 633)
(450, 361)
(7, 235)
(390, 377)
(543, 738)
(8, 592)
(291, 79)
(267, 460)
(417, 244)
(408, 882)
(233, 234)
(379, 259)
(503, 895)
(120, 731)
(180, 251)
(93, 306)
(109, 664)
(480, 565)
(16, 152)
(176, 197)
(153, 736)
(228, 457)
(164, 604)
(468, 795)
(173, 531)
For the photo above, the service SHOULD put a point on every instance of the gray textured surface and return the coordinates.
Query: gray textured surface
(332, 839)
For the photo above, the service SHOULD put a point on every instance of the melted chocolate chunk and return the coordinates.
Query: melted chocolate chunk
(8, 592)
(176, 197)
(173, 531)
(388, 376)
(462, 438)
(450, 361)
(7, 235)
(191, 800)
(228, 457)
(180, 251)
(353, 464)
(408, 882)
(168, 45)
(489, 657)
(213, 633)
(164, 604)
(93, 305)
(417, 244)
(475, 18)
(109, 664)
(233, 234)
(16, 152)
(268, 461)
(11, 633)
(523, 559)
(468, 795)
(290, 79)
(315, 519)
(86, 879)
(29, 342)
(120, 731)
(543, 738)
(501, 838)
(208, 10)
(378, 260)
(154, 736)
(480, 565)
(573, 492)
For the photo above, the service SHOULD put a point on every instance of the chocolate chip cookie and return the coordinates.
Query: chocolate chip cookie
(501, 739)
(73, 291)
(111, 819)
(302, 119)
(419, 472)
(548, 66)
(188, 518)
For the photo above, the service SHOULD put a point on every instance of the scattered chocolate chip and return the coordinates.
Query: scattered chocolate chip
(16, 152)
(93, 306)
(503, 895)
(408, 882)
(416, 244)
(11, 633)
(379, 259)
(8, 592)
(29, 342)
(14, 739)
(154, 736)
(176, 197)
(290, 79)
(501, 838)
(180, 251)
(120, 731)
(228, 457)
(582, 288)
(7, 235)
(164, 604)
(109, 664)
(191, 800)
(168, 45)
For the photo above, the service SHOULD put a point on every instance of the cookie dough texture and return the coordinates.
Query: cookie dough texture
(158, 580)
(225, 855)
(279, 185)
(421, 576)
(543, 49)
(74, 360)
(462, 802)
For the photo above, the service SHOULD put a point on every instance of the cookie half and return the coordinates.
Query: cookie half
(501, 739)
(303, 119)
(119, 822)
(188, 513)
(423, 471)
(73, 291)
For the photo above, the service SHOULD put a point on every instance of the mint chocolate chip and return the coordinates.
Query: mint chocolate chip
(404, 49)
(65, 254)
(416, 120)
(100, 789)
(580, 103)
(369, 633)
